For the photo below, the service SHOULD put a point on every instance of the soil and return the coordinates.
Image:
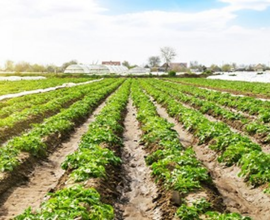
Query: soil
(138, 190)
(237, 195)
(44, 177)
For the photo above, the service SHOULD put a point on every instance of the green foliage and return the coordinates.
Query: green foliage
(225, 216)
(10, 87)
(89, 163)
(170, 162)
(233, 148)
(194, 211)
(34, 141)
(172, 73)
(90, 160)
(71, 203)
(200, 210)
(256, 167)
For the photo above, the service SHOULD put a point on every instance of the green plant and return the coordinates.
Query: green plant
(71, 203)
(171, 73)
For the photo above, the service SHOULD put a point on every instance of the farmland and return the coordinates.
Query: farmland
(128, 148)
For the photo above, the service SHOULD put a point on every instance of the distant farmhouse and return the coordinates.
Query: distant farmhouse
(259, 68)
(178, 67)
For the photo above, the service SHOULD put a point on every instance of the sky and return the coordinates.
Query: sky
(91, 31)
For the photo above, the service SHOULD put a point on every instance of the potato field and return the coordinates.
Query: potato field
(135, 149)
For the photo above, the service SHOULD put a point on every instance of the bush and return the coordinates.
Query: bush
(172, 73)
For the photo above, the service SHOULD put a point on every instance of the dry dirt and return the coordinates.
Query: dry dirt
(138, 191)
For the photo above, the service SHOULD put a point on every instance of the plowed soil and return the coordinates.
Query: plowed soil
(138, 192)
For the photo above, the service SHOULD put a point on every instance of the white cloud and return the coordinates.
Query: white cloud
(247, 4)
(48, 31)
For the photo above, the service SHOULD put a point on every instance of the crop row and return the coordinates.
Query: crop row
(22, 120)
(10, 87)
(249, 105)
(236, 120)
(89, 161)
(18, 104)
(38, 139)
(249, 88)
(173, 165)
(233, 148)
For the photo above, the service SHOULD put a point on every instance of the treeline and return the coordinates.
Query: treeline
(11, 66)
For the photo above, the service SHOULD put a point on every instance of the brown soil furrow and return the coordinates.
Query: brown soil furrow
(139, 190)
(237, 196)
(44, 177)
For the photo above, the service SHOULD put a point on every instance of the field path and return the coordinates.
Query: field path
(139, 190)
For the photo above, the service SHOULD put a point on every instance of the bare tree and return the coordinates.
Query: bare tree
(168, 54)
(154, 61)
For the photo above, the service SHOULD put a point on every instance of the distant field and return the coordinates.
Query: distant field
(10, 87)
(246, 88)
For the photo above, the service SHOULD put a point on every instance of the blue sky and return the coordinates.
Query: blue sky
(122, 6)
(253, 19)
(208, 31)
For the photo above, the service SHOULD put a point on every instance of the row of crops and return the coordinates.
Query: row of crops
(10, 87)
(207, 102)
(31, 126)
(36, 141)
(89, 161)
(232, 147)
(247, 88)
(176, 167)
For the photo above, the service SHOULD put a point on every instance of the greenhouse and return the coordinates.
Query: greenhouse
(96, 69)
(139, 71)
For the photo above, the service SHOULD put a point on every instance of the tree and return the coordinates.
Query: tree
(226, 68)
(126, 64)
(51, 68)
(65, 65)
(168, 54)
(214, 68)
(154, 61)
(38, 68)
(194, 64)
(9, 65)
(22, 67)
